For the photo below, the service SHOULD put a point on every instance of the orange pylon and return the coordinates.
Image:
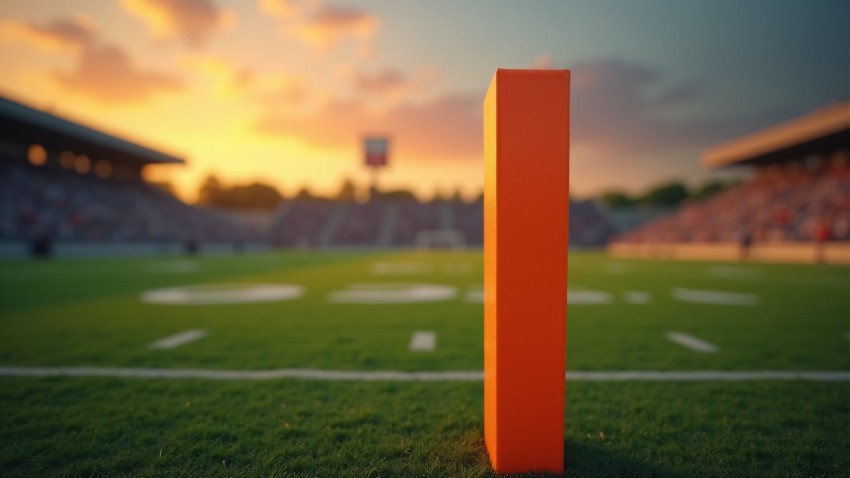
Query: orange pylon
(526, 207)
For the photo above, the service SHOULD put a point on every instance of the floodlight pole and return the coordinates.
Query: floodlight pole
(374, 178)
(526, 207)
(376, 156)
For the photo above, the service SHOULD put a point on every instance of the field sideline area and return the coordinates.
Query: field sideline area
(368, 364)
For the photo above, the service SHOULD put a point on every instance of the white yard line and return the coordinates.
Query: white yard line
(588, 297)
(176, 340)
(392, 293)
(213, 294)
(638, 297)
(423, 341)
(442, 376)
(714, 297)
(691, 342)
(475, 297)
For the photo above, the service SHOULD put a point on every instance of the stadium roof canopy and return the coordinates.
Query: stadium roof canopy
(21, 123)
(823, 131)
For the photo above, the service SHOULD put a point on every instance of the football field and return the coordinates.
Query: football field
(369, 364)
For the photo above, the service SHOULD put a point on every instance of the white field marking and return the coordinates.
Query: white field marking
(401, 268)
(575, 297)
(441, 376)
(714, 297)
(638, 297)
(223, 294)
(691, 342)
(177, 340)
(392, 293)
(588, 297)
(617, 268)
(172, 267)
(732, 272)
(423, 341)
(457, 268)
(475, 296)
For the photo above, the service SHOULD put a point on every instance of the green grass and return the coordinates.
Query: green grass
(89, 313)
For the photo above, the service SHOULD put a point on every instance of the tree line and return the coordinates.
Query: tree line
(259, 195)
(666, 195)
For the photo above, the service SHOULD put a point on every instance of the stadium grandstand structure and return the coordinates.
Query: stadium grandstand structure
(67, 185)
(795, 208)
(407, 223)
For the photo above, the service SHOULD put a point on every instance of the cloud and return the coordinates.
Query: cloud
(329, 26)
(446, 128)
(392, 84)
(192, 21)
(621, 109)
(55, 36)
(383, 83)
(542, 61)
(108, 75)
(102, 72)
(228, 79)
(279, 8)
(280, 92)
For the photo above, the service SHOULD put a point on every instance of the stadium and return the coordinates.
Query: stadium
(262, 329)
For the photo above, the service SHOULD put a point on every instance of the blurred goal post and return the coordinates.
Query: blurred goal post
(439, 239)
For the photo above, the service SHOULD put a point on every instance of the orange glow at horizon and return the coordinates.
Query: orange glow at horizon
(166, 86)
(283, 92)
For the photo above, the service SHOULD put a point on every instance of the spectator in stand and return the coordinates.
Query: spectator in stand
(776, 206)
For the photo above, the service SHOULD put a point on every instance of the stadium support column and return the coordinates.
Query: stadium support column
(526, 199)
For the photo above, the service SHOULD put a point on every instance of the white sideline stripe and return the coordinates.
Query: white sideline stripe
(638, 297)
(714, 297)
(691, 342)
(176, 340)
(443, 376)
(392, 293)
(423, 341)
(588, 297)
(213, 294)
(475, 297)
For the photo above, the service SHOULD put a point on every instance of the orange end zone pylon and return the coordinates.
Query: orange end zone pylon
(526, 200)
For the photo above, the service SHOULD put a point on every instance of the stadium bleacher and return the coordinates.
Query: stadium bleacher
(386, 223)
(772, 208)
(71, 207)
(800, 191)
(63, 182)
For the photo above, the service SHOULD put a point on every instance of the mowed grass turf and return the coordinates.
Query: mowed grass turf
(89, 313)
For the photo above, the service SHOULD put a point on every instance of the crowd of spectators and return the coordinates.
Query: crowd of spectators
(68, 207)
(360, 224)
(299, 222)
(61, 206)
(589, 226)
(398, 223)
(779, 205)
(414, 217)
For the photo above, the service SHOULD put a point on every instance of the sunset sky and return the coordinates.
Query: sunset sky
(283, 91)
